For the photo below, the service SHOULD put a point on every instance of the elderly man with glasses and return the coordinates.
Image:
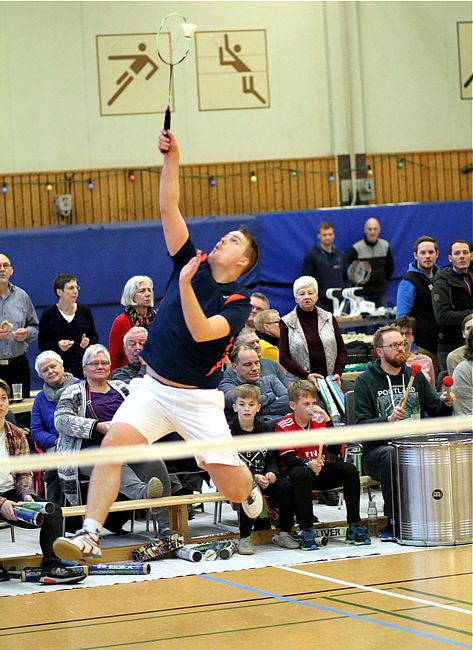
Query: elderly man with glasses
(379, 393)
(18, 326)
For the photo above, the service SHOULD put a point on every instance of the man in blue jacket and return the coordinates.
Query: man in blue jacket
(414, 296)
(326, 264)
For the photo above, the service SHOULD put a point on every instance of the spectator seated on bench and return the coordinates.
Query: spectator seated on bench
(82, 418)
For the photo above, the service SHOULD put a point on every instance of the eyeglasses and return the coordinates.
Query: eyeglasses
(74, 286)
(96, 364)
(394, 346)
(5, 265)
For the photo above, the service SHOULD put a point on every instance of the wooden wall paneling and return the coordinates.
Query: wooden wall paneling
(122, 182)
(453, 174)
(238, 199)
(426, 176)
(33, 213)
(386, 193)
(286, 196)
(43, 199)
(414, 182)
(254, 188)
(444, 166)
(328, 192)
(268, 189)
(112, 195)
(132, 196)
(466, 180)
(78, 197)
(185, 202)
(24, 219)
(95, 214)
(150, 184)
(8, 203)
(304, 167)
(404, 180)
(433, 176)
(298, 183)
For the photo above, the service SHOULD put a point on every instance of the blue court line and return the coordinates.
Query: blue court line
(332, 610)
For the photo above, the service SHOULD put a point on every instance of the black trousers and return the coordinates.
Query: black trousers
(17, 372)
(50, 530)
(331, 475)
(281, 496)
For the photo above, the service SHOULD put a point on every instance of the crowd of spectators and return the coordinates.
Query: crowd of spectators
(269, 381)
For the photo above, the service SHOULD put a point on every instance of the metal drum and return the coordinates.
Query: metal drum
(434, 485)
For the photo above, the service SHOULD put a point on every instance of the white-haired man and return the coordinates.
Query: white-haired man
(133, 343)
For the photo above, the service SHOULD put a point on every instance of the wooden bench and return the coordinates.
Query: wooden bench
(178, 512)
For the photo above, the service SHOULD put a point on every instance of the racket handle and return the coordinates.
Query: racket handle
(167, 119)
(167, 125)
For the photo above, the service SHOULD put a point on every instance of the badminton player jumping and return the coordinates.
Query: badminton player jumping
(202, 311)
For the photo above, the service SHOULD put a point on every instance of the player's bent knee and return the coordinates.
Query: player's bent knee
(121, 434)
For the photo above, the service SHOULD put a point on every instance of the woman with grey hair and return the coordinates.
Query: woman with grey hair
(138, 300)
(82, 418)
(50, 368)
(310, 343)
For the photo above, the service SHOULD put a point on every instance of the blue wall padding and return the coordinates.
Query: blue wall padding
(104, 256)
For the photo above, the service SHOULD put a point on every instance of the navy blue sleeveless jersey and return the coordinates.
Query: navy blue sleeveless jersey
(170, 349)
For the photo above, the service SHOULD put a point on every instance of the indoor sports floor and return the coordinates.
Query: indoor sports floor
(420, 598)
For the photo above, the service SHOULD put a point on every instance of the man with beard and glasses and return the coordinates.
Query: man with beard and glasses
(378, 393)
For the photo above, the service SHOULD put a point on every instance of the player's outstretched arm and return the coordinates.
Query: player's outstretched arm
(174, 226)
(200, 327)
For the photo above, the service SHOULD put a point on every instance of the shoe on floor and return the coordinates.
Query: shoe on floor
(154, 489)
(4, 575)
(58, 575)
(81, 546)
(308, 542)
(387, 535)
(254, 503)
(284, 540)
(357, 535)
(245, 547)
(328, 498)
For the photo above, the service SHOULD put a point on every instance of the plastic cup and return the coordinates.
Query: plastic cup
(17, 390)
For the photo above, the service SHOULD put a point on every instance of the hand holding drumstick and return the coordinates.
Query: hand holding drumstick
(399, 410)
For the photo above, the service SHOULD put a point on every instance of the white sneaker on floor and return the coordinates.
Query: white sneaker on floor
(254, 503)
(245, 547)
(284, 540)
(81, 546)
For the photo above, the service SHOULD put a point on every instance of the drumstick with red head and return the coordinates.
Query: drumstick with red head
(415, 369)
(447, 382)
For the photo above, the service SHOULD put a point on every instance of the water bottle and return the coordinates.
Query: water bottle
(372, 519)
(316, 416)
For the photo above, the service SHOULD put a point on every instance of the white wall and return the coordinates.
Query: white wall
(383, 75)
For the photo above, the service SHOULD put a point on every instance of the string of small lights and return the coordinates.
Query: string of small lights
(132, 175)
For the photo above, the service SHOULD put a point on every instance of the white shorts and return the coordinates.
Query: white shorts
(155, 409)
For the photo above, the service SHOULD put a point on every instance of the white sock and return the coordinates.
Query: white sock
(92, 526)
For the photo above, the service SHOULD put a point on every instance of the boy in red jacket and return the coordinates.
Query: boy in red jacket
(307, 471)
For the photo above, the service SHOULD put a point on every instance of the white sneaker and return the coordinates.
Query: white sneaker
(81, 546)
(284, 540)
(245, 547)
(254, 503)
(154, 488)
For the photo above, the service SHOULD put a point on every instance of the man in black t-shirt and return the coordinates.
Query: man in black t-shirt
(202, 311)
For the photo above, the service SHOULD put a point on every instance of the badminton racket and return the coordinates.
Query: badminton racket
(359, 272)
(173, 44)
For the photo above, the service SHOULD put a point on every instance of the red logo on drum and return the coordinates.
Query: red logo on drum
(437, 495)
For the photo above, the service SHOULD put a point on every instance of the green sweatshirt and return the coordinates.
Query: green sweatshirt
(377, 393)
